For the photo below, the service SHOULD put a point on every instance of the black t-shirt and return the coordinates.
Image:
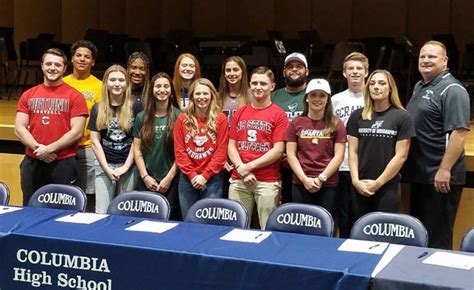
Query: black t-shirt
(437, 108)
(115, 142)
(377, 139)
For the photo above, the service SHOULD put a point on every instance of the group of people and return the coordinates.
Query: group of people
(184, 138)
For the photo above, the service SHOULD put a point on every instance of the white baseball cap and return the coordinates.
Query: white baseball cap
(298, 57)
(318, 84)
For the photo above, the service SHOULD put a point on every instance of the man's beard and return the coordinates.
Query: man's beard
(291, 82)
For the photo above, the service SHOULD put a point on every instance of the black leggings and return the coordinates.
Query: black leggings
(386, 199)
(325, 197)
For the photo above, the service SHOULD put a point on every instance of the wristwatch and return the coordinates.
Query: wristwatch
(322, 177)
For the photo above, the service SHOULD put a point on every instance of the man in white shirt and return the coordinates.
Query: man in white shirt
(355, 70)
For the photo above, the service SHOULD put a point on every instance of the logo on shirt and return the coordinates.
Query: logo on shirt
(293, 113)
(346, 111)
(376, 130)
(314, 135)
(200, 151)
(378, 124)
(199, 140)
(89, 96)
(45, 120)
(48, 106)
(159, 131)
(427, 95)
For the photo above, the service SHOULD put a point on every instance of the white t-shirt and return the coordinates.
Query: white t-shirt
(344, 103)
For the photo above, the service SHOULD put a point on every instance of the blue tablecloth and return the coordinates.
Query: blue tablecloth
(407, 271)
(102, 255)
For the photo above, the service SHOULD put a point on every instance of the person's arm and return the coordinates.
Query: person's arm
(22, 132)
(333, 165)
(149, 181)
(266, 159)
(402, 148)
(219, 157)
(454, 149)
(182, 159)
(354, 166)
(119, 171)
(71, 137)
(100, 155)
(233, 153)
(308, 182)
(165, 183)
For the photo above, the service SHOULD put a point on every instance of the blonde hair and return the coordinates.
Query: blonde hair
(125, 110)
(177, 81)
(244, 82)
(394, 98)
(212, 110)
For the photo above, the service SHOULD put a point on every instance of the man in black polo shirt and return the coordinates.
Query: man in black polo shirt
(439, 108)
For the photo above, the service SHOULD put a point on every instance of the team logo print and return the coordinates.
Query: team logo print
(252, 135)
(293, 107)
(428, 94)
(117, 135)
(377, 124)
(200, 140)
(45, 120)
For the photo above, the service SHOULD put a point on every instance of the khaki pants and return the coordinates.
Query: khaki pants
(265, 195)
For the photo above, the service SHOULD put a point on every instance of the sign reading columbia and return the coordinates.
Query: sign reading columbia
(60, 260)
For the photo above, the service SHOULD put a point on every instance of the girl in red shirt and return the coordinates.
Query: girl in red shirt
(200, 146)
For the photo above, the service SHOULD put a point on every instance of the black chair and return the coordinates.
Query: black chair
(4, 194)
(467, 242)
(31, 52)
(391, 228)
(59, 196)
(218, 211)
(144, 204)
(11, 64)
(301, 219)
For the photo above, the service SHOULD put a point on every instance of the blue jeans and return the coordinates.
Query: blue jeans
(188, 195)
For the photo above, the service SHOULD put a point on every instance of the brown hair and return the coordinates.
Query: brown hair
(57, 52)
(147, 131)
(244, 85)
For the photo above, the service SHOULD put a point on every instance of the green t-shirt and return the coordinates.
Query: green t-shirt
(157, 161)
(291, 103)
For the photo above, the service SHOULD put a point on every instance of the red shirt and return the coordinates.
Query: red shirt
(315, 148)
(50, 110)
(255, 131)
(206, 152)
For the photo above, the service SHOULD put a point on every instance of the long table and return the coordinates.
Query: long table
(38, 252)
(407, 270)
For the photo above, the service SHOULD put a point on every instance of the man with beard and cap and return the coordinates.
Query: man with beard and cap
(355, 69)
(50, 121)
(290, 99)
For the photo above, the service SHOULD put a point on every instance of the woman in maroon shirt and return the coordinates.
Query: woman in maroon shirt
(315, 148)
